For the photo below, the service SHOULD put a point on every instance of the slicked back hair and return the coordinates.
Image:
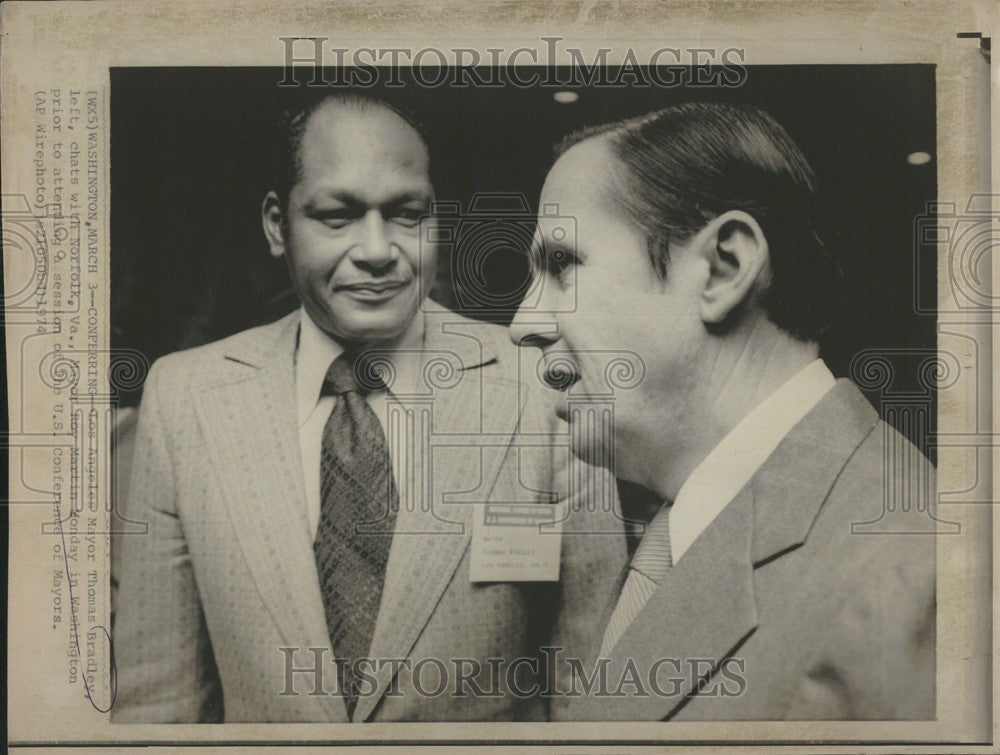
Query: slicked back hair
(685, 165)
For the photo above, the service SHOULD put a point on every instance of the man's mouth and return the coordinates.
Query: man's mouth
(561, 375)
(372, 289)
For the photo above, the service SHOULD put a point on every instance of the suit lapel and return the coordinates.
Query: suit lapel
(793, 483)
(430, 540)
(705, 608)
(249, 423)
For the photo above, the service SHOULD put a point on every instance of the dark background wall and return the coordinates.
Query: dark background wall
(193, 149)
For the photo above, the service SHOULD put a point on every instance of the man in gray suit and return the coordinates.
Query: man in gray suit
(313, 487)
(756, 592)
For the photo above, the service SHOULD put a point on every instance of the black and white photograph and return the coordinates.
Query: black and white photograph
(380, 317)
(587, 375)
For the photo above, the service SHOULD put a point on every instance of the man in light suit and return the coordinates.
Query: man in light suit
(759, 590)
(311, 485)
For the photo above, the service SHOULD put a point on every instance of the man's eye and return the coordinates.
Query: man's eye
(558, 263)
(336, 218)
(409, 216)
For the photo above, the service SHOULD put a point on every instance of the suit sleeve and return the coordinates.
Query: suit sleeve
(166, 670)
(878, 661)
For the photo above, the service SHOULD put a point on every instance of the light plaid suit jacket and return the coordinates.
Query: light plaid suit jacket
(226, 575)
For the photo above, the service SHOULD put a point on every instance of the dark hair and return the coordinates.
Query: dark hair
(294, 120)
(687, 164)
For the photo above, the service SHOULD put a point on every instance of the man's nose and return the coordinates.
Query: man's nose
(376, 249)
(532, 328)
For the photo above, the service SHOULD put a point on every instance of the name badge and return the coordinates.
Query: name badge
(516, 542)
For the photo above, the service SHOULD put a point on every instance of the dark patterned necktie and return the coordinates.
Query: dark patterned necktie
(357, 516)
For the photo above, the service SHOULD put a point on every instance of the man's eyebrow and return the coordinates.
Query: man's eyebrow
(410, 195)
(345, 197)
(352, 199)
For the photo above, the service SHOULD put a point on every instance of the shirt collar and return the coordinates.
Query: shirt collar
(316, 351)
(732, 463)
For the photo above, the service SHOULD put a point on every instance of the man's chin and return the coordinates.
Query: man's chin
(592, 435)
(370, 325)
(595, 457)
(374, 333)
(586, 450)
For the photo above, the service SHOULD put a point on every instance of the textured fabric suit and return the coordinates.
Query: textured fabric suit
(788, 603)
(226, 575)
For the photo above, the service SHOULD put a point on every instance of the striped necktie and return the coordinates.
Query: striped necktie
(649, 566)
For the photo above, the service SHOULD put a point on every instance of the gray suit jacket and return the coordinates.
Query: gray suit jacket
(788, 606)
(226, 575)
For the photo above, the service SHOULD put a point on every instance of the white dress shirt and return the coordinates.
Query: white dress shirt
(731, 464)
(313, 356)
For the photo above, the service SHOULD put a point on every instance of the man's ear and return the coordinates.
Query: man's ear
(738, 258)
(272, 218)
